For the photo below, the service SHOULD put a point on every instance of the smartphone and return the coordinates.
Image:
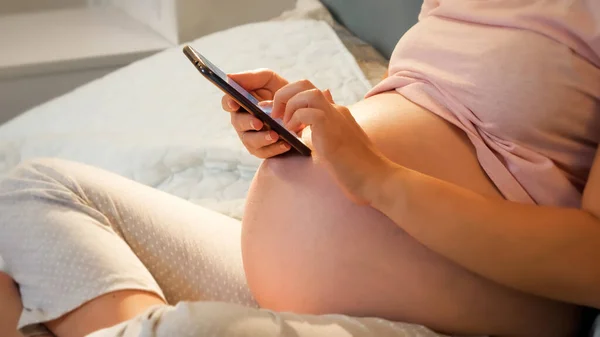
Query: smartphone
(244, 99)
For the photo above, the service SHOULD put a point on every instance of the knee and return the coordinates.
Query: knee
(33, 172)
(36, 167)
(36, 180)
(28, 194)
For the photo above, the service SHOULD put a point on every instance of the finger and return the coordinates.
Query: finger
(273, 150)
(313, 98)
(307, 116)
(255, 140)
(259, 79)
(283, 95)
(329, 96)
(243, 121)
(266, 105)
(228, 104)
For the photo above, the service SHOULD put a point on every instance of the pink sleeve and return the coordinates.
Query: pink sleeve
(593, 8)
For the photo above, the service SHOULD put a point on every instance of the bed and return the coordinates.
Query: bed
(158, 122)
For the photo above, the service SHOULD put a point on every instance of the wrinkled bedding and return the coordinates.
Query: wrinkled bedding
(157, 121)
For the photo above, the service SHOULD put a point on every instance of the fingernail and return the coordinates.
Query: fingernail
(253, 125)
(231, 105)
(284, 146)
(269, 137)
(265, 104)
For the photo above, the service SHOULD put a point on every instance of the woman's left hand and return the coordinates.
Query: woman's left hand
(335, 136)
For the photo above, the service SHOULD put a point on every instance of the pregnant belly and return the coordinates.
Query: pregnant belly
(308, 249)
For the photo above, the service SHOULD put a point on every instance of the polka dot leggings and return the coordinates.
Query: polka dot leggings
(70, 233)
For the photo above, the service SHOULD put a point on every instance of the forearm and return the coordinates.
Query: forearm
(552, 252)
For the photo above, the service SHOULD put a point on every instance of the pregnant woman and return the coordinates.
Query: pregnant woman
(461, 194)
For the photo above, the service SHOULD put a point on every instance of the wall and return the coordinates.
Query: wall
(160, 15)
(18, 6)
(184, 20)
(198, 18)
(19, 95)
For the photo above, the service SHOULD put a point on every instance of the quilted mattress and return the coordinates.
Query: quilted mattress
(157, 121)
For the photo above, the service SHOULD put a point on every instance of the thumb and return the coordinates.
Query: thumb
(328, 95)
(253, 80)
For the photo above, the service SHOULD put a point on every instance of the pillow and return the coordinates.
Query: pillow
(370, 61)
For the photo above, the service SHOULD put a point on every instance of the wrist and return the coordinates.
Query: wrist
(384, 180)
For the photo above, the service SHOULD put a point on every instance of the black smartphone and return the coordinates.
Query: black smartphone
(244, 99)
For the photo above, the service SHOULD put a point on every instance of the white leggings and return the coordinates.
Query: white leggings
(70, 233)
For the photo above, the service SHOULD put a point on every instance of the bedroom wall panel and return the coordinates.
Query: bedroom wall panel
(19, 94)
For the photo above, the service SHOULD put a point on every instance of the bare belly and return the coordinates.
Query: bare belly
(308, 249)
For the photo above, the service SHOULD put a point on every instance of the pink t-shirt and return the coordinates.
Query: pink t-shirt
(521, 78)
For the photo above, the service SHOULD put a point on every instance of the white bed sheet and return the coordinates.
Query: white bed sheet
(158, 122)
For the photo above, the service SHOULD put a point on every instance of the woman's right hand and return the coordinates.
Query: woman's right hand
(263, 84)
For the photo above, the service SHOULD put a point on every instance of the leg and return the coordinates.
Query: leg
(85, 246)
(104, 311)
(11, 306)
(83, 243)
(11, 309)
